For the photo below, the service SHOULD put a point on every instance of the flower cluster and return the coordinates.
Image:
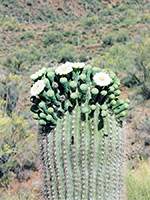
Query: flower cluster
(68, 67)
(101, 78)
(60, 89)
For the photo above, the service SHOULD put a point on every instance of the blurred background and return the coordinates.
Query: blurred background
(111, 34)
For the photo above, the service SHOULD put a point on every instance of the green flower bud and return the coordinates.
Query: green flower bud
(88, 67)
(115, 86)
(83, 78)
(47, 83)
(50, 93)
(94, 91)
(73, 85)
(35, 116)
(127, 101)
(104, 113)
(96, 69)
(111, 89)
(112, 75)
(119, 102)
(74, 96)
(50, 110)
(104, 70)
(93, 107)
(83, 88)
(112, 103)
(122, 108)
(42, 115)
(122, 114)
(104, 93)
(112, 96)
(84, 110)
(42, 122)
(50, 75)
(117, 92)
(49, 118)
(42, 105)
(104, 107)
(117, 81)
(64, 82)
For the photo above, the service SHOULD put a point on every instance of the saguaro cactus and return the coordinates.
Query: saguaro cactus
(80, 132)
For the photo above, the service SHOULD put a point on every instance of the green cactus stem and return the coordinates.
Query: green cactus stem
(81, 137)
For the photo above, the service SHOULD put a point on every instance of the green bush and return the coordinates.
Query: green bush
(141, 58)
(67, 53)
(11, 24)
(122, 36)
(15, 142)
(108, 39)
(138, 183)
(52, 38)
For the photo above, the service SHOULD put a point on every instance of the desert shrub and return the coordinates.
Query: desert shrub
(9, 92)
(141, 58)
(91, 41)
(108, 39)
(138, 183)
(117, 59)
(89, 21)
(14, 141)
(144, 19)
(122, 36)
(67, 53)
(52, 38)
(83, 57)
(11, 24)
(26, 35)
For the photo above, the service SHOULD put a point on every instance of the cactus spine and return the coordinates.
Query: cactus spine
(80, 132)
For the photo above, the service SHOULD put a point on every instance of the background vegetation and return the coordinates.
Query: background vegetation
(111, 34)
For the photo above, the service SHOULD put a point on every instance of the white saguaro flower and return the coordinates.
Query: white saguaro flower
(34, 76)
(38, 73)
(78, 65)
(41, 71)
(102, 79)
(37, 88)
(64, 69)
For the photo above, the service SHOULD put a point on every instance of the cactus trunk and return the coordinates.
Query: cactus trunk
(81, 161)
(80, 132)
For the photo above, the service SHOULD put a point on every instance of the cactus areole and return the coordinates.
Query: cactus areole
(80, 132)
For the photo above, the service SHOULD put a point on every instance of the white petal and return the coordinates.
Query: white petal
(102, 79)
(37, 88)
(64, 69)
